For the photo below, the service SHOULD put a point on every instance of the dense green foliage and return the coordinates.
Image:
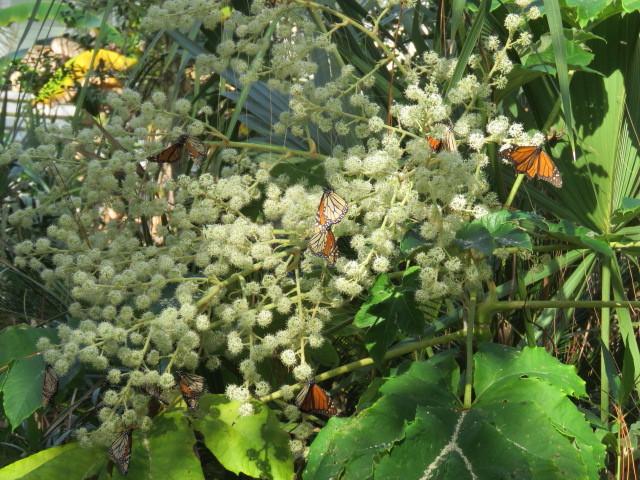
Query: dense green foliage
(476, 323)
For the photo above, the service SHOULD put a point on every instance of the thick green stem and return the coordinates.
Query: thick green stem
(514, 189)
(604, 337)
(468, 383)
(368, 361)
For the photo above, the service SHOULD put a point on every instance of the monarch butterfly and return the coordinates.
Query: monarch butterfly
(120, 451)
(155, 392)
(192, 386)
(174, 152)
(314, 399)
(332, 208)
(49, 385)
(323, 244)
(447, 143)
(535, 162)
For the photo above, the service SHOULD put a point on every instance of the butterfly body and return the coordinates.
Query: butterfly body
(534, 162)
(314, 399)
(120, 451)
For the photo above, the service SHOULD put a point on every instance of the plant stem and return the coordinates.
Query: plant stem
(604, 337)
(264, 147)
(494, 306)
(514, 189)
(365, 362)
(469, 346)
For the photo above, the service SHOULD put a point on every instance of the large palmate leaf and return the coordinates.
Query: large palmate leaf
(521, 425)
(21, 386)
(607, 115)
(255, 445)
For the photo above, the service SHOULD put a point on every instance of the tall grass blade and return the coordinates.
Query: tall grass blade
(470, 43)
(558, 40)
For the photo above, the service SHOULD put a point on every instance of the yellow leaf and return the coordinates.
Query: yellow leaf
(105, 60)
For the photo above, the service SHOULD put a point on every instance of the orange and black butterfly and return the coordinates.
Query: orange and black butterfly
(120, 451)
(49, 385)
(446, 143)
(322, 243)
(535, 162)
(174, 152)
(192, 387)
(314, 399)
(332, 208)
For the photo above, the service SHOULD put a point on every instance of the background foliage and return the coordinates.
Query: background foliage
(486, 339)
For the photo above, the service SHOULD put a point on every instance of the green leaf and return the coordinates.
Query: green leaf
(470, 43)
(505, 232)
(24, 11)
(629, 210)
(587, 9)
(390, 310)
(381, 290)
(474, 236)
(630, 5)
(571, 287)
(411, 241)
(22, 389)
(165, 451)
(554, 18)
(577, 56)
(628, 377)
(324, 355)
(66, 462)
(580, 235)
(20, 342)
(255, 445)
(611, 370)
(494, 363)
(522, 426)
(627, 331)
(608, 165)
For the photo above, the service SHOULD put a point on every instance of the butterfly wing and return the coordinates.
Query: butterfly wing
(49, 385)
(332, 208)
(322, 243)
(330, 251)
(192, 387)
(314, 399)
(195, 148)
(317, 240)
(523, 159)
(120, 451)
(171, 154)
(301, 397)
(435, 144)
(547, 170)
(449, 141)
(535, 162)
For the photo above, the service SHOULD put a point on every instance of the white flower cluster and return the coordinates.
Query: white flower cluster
(194, 271)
